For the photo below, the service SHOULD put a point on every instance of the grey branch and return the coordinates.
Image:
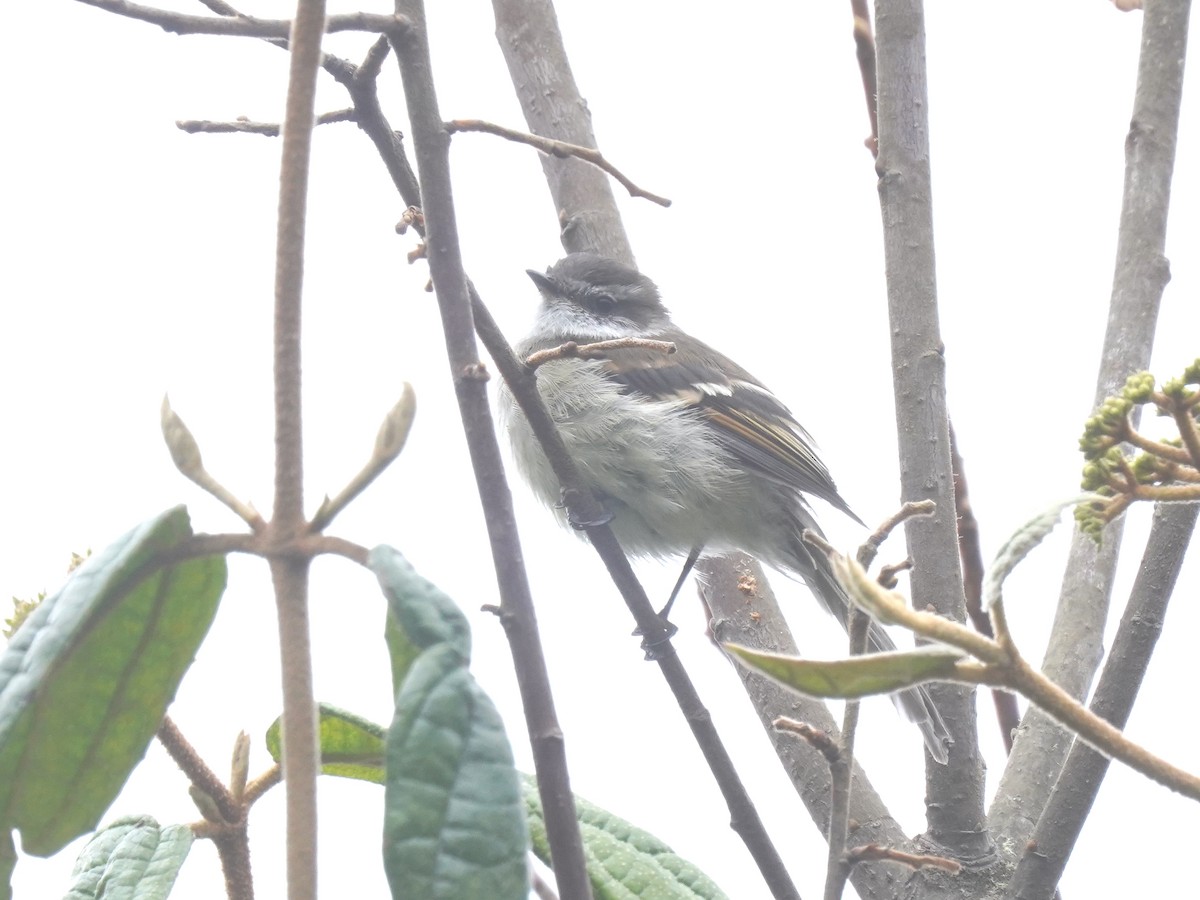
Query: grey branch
(244, 26)
(242, 125)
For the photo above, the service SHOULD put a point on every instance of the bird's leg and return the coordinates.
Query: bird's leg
(688, 565)
(669, 627)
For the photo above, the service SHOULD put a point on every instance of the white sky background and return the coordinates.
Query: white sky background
(138, 260)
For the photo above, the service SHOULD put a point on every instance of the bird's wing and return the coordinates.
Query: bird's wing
(746, 417)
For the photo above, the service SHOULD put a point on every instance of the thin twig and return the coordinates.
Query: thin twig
(970, 552)
(870, 547)
(822, 740)
(864, 45)
(243, 125)
(912, 860)
(837, 870)
(256, 787)
(197, 770)
(596, 350)
(243, 26)
(229, 835)
(560, 149)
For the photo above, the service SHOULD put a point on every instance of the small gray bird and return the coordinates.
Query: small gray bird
(688, 451)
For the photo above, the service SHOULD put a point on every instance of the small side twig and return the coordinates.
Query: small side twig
(864, 45)
(841, 770)
(870, 547)
(242, 125)
(556, 148)
(596, 350)
(970, 552)
(256, 787)
(197, 770)
(820, 739)
(871, 852)
(225, 820)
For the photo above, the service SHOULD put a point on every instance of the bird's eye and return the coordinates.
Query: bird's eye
(602, 302)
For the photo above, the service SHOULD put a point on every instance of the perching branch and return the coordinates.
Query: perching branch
(521, 381)
(468, 374)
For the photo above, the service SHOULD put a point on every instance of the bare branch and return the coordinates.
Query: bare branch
(954, 792)
(870, 547)
(243, 26)
(556, 148)
(242, 125)
(289, 575)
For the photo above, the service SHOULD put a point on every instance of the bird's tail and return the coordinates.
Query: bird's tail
(915, 703)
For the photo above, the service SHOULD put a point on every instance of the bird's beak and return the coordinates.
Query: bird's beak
(543, 282)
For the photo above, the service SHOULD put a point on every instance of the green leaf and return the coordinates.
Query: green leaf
(454, 820)
(623, 862)
(85, 682)
(130, 859)
(860, 676)
(427, 616)
(351, 746)
(8, 863)
(401, 651)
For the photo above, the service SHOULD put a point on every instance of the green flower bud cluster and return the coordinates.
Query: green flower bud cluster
(1091, 520)
(1108, 427)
